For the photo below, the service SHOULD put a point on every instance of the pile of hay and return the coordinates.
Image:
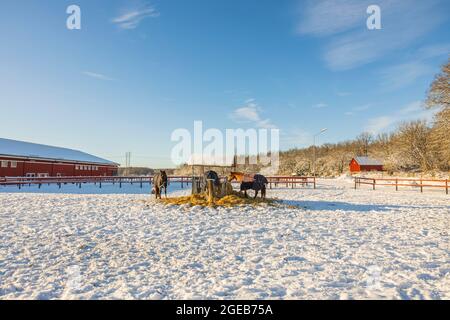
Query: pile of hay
(232, 200)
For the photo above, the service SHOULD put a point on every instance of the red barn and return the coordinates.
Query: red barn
(24, 159)
(359, 164)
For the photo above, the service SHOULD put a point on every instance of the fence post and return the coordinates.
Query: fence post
(421, 186)
(355, 182)
(374, 181)
(396, 184)
(314, 181)
(446, 186)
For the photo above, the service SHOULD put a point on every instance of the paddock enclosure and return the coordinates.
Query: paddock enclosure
(418, 183)
(184, 181)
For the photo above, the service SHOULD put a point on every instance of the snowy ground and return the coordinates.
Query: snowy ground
(338, 243)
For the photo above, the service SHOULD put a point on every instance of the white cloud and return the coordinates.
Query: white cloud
(327, 17)
(410, 112)
(379, 124)
(363, 107)
(401, 75)
(250, 113)
(355, 110)
(351, 44)
(131, 18)
(295, 138)
(97, 76)
(320, 105)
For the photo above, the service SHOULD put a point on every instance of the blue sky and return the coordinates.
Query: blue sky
(137, 70)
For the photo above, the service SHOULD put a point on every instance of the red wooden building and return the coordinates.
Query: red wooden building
(24, 159)
(359, 164)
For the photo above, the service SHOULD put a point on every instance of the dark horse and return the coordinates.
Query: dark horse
(159, 182)
(210, 175)
(255, 182)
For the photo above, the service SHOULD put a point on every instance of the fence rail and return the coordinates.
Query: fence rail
(275, 181)
(403, 182)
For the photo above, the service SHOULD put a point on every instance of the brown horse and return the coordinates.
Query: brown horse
(254, 182)
(239, 177)
(159, 182)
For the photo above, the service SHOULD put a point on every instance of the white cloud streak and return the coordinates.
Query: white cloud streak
(320, 105)
(131, 18)
(351, 44)
(97, 76)
(410, 112)
(250, 114)
(404, 74)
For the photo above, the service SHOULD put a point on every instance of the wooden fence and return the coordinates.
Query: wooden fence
(403, 182)
(275, 181)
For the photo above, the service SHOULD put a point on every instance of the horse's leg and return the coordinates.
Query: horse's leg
(165, 191)
(256, 193)
(245, 192)
(156, 192)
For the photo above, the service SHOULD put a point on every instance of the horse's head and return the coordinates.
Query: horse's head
(238, 176)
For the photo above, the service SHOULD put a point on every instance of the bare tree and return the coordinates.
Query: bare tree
(439, 97)
(412, 143)
(363, 142)
(439, 92)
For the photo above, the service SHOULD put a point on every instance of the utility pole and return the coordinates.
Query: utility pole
(314, 151)
(127, 162)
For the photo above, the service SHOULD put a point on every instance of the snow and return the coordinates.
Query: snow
(330, 243)
(32, 150)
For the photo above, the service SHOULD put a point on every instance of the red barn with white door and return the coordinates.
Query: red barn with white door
(24, 159)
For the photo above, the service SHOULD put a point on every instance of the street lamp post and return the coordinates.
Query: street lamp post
(314, 152)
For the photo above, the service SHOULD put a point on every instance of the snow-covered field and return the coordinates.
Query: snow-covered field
(336, 243)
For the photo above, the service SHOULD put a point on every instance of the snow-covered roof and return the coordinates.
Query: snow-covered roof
(366, 161)
(16, 148)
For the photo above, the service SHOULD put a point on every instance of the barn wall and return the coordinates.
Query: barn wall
(53, 169)
(371, 168)
(354, 166)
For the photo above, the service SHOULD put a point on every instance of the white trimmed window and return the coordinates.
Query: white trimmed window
(4, 164)
(13, 164)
